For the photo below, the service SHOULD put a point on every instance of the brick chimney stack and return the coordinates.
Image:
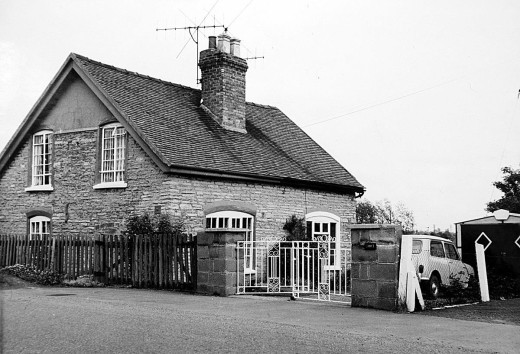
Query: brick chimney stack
(224, 82)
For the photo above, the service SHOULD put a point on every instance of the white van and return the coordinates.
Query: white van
(435, 260)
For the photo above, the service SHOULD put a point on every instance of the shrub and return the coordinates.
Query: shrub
(146, 225)
(503, 285)
(295, 228)
(86, 281)
(459, 292)
(31, 274)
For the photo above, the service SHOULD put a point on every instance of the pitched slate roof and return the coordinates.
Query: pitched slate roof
(168, 118)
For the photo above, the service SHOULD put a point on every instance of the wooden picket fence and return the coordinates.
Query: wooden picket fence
(161, 261)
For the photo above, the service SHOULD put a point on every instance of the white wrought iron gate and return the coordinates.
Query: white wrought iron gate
(318, 269)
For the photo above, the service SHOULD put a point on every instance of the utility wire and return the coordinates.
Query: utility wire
(212, 7)
(514, 113)
(382, 103)
(482, 68)
(242, 46)
(240, 13)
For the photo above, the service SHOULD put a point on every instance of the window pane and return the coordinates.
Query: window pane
(35, 228)
(436, 249)
(41, 159)
(39, 225)
(416, 246)
(451, 251)
(333, 229)
(230, 220)
(113, 154)
(38, 139)
(325, 227)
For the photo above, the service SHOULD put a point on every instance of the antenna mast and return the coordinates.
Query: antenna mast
(196, 39)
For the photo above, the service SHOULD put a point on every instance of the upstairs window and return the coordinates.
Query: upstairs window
(113, 151)
(41, 162)
(113, 154)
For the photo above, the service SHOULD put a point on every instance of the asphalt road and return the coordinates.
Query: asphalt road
(107, 320)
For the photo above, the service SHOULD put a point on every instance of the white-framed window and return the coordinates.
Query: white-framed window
(113, 150)
(41, 162)
(39, 226)
(325, 226)
(235, 221)
(229, 220)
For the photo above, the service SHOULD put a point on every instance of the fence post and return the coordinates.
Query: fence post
(482, 272)
(53, 254)
(99, 259)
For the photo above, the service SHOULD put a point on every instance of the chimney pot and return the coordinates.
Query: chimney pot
(223, 42)
(212, 42)
(235, 47)
(224, 86)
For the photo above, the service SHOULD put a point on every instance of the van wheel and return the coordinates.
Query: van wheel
(434, 287)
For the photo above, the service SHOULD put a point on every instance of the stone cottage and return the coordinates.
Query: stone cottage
(102, 144)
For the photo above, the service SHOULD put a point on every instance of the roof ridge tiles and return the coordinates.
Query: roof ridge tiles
(135, 73)
(157, 79)
(262, 105)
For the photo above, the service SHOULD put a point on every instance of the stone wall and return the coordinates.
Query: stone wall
(375, 272)
(76, 207)
(217, 262)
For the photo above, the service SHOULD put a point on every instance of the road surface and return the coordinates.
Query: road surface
(111, 320)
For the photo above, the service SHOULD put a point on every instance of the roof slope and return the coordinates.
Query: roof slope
(169, 119)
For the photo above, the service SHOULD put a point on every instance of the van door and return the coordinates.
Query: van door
(457, 269)
(438, 261)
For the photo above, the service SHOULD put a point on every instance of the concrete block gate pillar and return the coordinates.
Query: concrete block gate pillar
(217, 262)
(375, 272)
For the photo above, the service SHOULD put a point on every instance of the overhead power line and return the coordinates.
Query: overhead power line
(381, 103)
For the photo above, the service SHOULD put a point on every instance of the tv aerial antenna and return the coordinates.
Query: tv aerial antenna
(194, 34)
(255, 57)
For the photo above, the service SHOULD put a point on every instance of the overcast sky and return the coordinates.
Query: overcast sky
(417, 99)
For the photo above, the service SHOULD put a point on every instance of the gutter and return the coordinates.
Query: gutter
(180, 170)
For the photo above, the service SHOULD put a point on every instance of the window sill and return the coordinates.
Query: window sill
(46, 188)
(227, 229)
(108, 185)
(332, 267)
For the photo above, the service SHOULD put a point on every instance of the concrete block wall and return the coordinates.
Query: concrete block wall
(375, 273)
